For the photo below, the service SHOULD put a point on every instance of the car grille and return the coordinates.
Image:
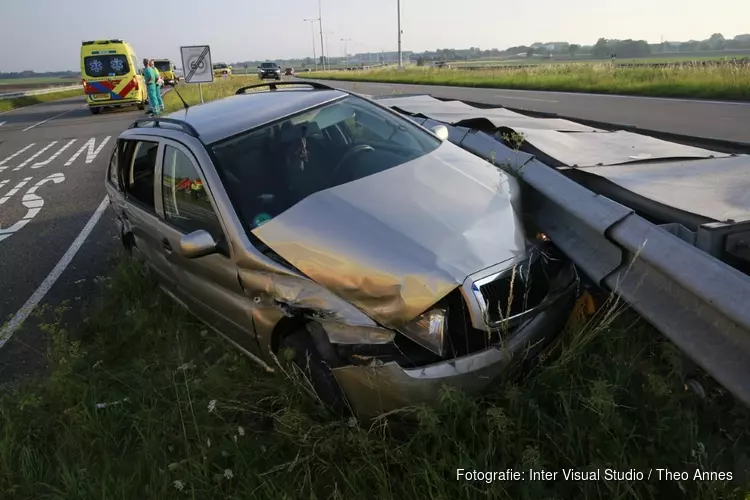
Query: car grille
(507, 297)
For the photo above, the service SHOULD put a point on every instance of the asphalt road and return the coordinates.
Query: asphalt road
(729, 121)
(63, 150)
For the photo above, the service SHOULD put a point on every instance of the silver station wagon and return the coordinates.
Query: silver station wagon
(297, 215)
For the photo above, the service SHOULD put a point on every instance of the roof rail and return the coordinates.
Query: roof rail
(273, 86)
(156, 120)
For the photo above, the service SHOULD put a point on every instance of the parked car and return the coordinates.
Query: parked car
(289, 72)
(221, 70)
(317, 219)
(167, 71)
(269, 70)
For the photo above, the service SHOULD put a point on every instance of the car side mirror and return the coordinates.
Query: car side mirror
(441, 131)
(197, 244)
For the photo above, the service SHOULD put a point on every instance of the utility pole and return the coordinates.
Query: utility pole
(346, 54)
(400, 60)
(312, 31)
(328, 50)
(320, 20)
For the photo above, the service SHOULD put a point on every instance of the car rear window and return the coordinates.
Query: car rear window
(106, 65)
(268, 170)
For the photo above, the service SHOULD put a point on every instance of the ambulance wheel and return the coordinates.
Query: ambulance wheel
(95, 111)
(142, 106)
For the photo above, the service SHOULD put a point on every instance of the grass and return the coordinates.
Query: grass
(21, 102)
(143, 402)
(718, 82)
(588, 60)
(18, 82)
(211, 91)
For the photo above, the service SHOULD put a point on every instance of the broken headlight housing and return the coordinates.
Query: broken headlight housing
(428, 330)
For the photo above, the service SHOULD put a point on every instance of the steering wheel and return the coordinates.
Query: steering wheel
(359, 148)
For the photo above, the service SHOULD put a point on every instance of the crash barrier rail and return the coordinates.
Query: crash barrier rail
(14, 95)
(694, 299)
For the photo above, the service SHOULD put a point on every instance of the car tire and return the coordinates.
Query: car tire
(142, 106)
(95, 111)
(309, 360)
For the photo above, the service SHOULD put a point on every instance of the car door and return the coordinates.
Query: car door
(209, 285)
(137, 165)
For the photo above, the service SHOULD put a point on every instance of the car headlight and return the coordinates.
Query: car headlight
(428, 330)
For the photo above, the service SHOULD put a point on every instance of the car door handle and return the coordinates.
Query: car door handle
(166, 245)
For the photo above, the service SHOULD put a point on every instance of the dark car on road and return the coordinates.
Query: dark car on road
(391, 261)
(269, 70)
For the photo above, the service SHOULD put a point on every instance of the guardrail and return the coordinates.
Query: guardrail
(694, 299)
(13, 95)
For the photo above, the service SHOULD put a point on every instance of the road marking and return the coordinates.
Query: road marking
(14, 155)
(33, 203)
(58, 153)
(92, 153)
(48, 119)
(15, 190)
(23, 313)
(33, 157)
(2, 123)
(3, 183)
(523, 98)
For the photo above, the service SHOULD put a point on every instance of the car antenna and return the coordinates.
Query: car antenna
(180, 96)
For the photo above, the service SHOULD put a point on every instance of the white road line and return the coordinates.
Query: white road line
(15, 154)
(35, 155)
(3, 183)
(92, 153)
(33, 203)
(48, 119)
(23, 313)
(2, 123)
(15, 190)
(500, 96)
(55, 155)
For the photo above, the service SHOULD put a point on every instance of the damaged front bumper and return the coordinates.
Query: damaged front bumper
(377, 387)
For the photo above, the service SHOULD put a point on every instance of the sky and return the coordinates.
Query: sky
(46, 35)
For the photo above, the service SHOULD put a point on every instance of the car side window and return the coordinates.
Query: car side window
(114, 173)
(138, 176)
(187, 206)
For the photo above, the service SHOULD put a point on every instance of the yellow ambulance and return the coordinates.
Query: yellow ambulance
(111, 75)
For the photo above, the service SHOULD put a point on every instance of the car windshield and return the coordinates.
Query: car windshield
(163, 65)
(270, 169)
(106, 65)
(268, 65)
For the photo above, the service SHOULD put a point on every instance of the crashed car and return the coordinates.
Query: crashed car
(391, 261)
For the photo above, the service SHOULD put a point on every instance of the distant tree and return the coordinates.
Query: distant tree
(530, 52)
(601, 48)
(573, 49)
(717, 41)
(420, 61)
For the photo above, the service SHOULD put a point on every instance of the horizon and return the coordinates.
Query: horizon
(236, 33)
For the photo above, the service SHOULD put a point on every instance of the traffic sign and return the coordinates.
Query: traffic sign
(196, 64)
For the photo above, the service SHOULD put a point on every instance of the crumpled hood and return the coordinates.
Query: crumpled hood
(396, 242)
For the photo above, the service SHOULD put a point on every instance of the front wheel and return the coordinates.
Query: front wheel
(309, 360)
(95, 111)
(142, 106)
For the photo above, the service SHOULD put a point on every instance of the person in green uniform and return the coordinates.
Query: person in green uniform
(153, 87)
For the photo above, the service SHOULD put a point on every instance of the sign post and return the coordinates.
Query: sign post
(196, 65)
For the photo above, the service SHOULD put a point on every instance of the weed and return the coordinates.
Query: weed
(730, 81)
(21, 102)
(141, 403)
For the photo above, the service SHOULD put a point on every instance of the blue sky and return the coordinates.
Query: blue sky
(46, 35)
